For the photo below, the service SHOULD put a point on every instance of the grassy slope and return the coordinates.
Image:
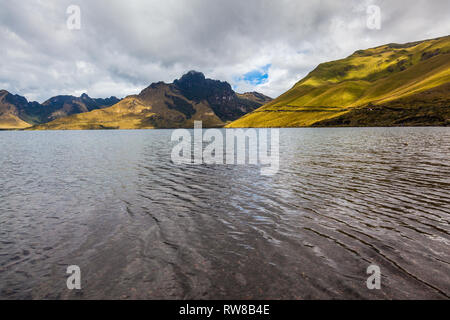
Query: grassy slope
(374, 76)
(430, 107)
(11, 121)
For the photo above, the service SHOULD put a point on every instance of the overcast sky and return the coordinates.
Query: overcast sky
(123, 46)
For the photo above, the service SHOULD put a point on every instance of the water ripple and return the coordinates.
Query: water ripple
(140, 226)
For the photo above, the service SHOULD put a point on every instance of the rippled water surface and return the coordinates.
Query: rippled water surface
(140, 226)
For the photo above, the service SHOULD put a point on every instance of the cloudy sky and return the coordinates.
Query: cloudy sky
(263, 45)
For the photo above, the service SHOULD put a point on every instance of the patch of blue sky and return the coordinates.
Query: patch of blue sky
(257, 76)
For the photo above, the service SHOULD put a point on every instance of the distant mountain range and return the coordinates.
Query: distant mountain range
(17, 113)
(161, 105)
(390, 85)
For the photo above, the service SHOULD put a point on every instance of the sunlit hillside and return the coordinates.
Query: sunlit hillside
(371, 77)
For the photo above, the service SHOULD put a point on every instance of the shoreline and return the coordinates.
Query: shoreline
(299, 127)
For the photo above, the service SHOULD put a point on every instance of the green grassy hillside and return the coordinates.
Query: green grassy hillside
(372, 77)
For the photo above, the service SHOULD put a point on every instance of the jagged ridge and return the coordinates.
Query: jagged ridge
(175, 105)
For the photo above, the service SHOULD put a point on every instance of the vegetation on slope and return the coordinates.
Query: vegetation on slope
(430, 107)
(372, 77)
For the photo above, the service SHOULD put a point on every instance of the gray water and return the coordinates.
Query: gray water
(140, 226)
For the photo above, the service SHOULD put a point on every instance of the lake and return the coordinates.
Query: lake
(142, 227)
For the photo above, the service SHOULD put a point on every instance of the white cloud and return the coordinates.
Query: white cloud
(123, 46)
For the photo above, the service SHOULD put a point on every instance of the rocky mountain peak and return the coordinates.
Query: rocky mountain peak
(192, 76)
(196, 87)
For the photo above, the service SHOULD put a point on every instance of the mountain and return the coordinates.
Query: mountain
(390, 85)
(12, 110)
(17, 113)
(174, 105)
